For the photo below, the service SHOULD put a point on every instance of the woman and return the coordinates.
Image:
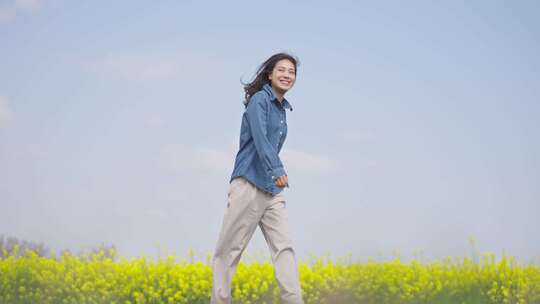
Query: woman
(255, 195)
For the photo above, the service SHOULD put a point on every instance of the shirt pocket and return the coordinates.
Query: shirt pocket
(273, 123)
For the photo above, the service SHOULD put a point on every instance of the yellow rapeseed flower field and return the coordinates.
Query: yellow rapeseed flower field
(98, 278)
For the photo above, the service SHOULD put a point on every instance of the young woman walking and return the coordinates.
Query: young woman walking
(255, 195)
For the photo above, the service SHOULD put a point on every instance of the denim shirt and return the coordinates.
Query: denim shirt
(262, 134)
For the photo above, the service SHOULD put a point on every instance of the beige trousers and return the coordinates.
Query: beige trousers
(247, 208)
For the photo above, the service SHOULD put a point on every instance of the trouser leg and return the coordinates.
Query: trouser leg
(239, 223)
(274, 225)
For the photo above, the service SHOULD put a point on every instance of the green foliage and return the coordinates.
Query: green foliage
(102, 277)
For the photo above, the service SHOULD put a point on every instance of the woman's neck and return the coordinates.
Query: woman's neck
(279, 95)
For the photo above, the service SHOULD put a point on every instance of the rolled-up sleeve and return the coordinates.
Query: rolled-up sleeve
(256, 115)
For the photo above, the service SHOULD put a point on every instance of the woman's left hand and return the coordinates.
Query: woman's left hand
(282, 181)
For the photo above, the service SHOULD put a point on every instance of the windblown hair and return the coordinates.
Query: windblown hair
(264, 70)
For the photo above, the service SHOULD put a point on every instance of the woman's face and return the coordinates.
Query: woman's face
(283, 75)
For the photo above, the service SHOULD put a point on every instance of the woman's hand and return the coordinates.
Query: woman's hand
(282, 181)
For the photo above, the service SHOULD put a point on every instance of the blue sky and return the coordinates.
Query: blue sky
(415, 125)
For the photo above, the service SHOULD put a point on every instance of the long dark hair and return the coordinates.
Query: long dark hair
(264, 70)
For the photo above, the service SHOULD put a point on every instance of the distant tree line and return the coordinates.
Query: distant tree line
(12, 246)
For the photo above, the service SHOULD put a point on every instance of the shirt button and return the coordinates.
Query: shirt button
(280, 132)
(282, 121)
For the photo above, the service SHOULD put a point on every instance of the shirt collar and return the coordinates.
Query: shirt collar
(285, 103)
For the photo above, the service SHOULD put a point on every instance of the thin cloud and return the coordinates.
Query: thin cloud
(357, 136)
(137, 66)
(153, 120)
(182, 157)
(28, 5)
(7, 15)
(6, 114)
(159, 213)
(10, 12)
(306, 161)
